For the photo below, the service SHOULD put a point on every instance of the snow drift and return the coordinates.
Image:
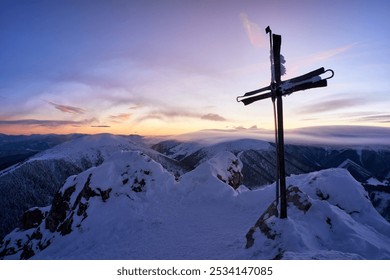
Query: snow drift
(131, 207)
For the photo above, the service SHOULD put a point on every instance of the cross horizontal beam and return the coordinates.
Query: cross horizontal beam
(303, 82)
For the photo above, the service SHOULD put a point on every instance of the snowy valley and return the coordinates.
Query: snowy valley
(129, 197)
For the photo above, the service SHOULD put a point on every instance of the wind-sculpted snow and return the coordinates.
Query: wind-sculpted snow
(131, 207)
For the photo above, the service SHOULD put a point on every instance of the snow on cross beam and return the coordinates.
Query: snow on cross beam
(275, 91)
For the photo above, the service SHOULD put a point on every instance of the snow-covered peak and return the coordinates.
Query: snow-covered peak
(89, 146)
(211, 178)
(340, 189)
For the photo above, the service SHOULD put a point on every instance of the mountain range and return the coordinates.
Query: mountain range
(148, 189)
(16, 148)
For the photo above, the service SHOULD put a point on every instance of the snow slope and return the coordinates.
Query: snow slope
(130, 207)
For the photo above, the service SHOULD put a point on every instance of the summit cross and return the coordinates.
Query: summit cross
(275, 91)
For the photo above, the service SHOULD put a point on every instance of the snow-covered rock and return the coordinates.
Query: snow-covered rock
(329, 217)
(227, 168)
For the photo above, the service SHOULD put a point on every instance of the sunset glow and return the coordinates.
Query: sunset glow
(172, 67)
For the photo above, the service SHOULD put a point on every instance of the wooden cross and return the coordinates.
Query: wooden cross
(275, 91)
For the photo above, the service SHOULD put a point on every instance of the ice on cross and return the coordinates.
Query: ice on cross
(282, 66)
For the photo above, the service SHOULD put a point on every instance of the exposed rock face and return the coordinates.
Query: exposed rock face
(295, 198)
(262, 225)
(59, 209)
(26, 187)
(380, 198)
(32, 218)
(298, 199)
(236, 179)
(227, 168)
(60, 218)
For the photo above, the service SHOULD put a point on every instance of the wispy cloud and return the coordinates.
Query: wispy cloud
(368, 117)
(240, 127)
(67, 108)
(318, 57)
(331, 105)
(135, 107)
(101, 125)
(213, 117)
(378, 118)
(119, 118)
(331, 53)
(168, 114)
(254, 32)
(46, 123)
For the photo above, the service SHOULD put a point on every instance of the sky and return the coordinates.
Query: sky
(171, 67)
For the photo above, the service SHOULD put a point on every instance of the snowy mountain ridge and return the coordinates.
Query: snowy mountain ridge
(34, 181)
(91, 147)
(131, 207)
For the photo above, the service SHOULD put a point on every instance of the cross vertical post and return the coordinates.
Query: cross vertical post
(276, 90)
(276, 46)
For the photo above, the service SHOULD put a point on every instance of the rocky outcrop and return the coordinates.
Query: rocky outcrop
(233, 175)
(265, 224)
(66, 213)
(227, 168)
(32, 218)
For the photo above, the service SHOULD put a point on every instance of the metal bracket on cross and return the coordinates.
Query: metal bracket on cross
(276, 90)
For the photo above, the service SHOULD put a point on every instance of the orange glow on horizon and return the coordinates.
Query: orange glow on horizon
(150, 128)
(160, 128)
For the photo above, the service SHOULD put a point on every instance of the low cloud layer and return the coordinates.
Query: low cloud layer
(319, 135)
(331, 105)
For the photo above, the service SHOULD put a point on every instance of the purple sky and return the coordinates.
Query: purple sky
(168, 67)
